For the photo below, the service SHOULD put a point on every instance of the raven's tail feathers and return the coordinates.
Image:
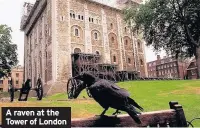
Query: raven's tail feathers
(131, 101)
(133, 113)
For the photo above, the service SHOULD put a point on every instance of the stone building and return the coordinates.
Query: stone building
(54, 29)
(167, 67)
(3, 84)
(17, 75)
(17, 79)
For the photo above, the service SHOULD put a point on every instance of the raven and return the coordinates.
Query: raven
(108, 94)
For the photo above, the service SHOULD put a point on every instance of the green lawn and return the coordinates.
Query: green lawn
(151, 95)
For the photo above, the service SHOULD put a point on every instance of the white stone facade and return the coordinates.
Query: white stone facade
(55, 28)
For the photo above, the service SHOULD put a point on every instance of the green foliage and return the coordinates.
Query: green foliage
(169, 24)
(8, 51)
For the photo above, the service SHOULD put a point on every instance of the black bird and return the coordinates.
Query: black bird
(108, 94)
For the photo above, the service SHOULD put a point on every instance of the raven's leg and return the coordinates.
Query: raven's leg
(27, 95)
(104, 111)
(117, 112)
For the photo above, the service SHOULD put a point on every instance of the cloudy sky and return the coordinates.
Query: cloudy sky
(10, 14)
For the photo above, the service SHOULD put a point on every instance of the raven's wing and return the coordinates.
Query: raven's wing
(112, 93)
(110, 89)
(118, 89)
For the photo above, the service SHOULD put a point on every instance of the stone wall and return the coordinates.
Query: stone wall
(38, 48)
(63, 45)
(66, 25)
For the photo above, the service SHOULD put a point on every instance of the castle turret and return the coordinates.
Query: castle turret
(27, 7)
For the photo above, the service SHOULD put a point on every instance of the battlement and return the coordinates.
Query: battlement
(27, 7)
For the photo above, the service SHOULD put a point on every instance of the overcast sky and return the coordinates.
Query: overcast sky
(10, 14)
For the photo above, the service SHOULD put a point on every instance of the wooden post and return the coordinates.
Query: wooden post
(180, 116)
(174, 117)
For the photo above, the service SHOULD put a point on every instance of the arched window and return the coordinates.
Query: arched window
(139, 46)
(79, 17)
(125, 29)
(96, 36)
(77, 50)
(97, 52)
(111, 26)
(82, 17)
(112, 39)
(74, 16)
(76, 32)
(126, 42)
(141, 62)
(129, 60)
(114, 59)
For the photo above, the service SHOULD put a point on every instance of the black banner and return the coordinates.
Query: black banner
(36, 117)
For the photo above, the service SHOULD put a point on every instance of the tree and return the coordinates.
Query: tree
(8, 51)
(173, 25)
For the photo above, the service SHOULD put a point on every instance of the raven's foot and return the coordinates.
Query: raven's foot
(116, 113)
(103, 113)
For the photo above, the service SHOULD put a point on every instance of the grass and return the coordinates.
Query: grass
(151, 95)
